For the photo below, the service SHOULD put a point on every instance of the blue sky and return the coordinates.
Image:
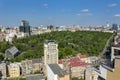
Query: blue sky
(59, 12)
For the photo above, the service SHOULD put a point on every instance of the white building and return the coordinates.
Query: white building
(90, 74)
(50, 52)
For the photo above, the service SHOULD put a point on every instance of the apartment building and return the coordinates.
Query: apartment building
(50, 52)
(14, 70)
(27, 67)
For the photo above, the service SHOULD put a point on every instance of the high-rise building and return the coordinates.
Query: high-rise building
(51, 27)
(50, 52)
(114, 27)
(25, 27)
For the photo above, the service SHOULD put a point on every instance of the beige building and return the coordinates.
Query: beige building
(50, 52)
(14, 70)
(111, 70)
(37, 65)
(77, 67)
(114, 74)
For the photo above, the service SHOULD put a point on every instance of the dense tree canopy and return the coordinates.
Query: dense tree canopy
(69, 44)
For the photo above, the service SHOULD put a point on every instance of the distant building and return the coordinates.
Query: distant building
(114, 27)
(25, 28)
(2, 36)
(14, 70)
(50, 52)
(56, 73)
(27, 67)
(12, 52)
(51, 27)
(3, 70)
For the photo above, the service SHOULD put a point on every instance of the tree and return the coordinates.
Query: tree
(69, 43)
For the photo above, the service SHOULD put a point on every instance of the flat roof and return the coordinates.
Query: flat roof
(117, 57)
(57, 70)
(50, 41)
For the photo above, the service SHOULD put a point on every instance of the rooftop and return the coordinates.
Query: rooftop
(50, 41)
(2, 65)
(13, 50)
(117, 57)
(59, 61)
(75, 62)
(36, 61)
(84, 56)
(14, 65)
(57, 70)
(35, 77)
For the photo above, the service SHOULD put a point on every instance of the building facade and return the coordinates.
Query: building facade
(26, 67)
(14, 70)
(37, 65)
(111, 70)
(114, 74)
(50, 52)
(90, 74)
(3, 70)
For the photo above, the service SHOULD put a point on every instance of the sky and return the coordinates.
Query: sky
(59, 12)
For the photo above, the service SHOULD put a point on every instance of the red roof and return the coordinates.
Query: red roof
(84, 56)
(59, 61)
(75, 62)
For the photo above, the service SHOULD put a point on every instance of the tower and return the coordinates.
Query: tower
(50, 52)
(114, 27)
(25, 28)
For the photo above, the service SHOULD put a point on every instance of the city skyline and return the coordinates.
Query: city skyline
(59, 12)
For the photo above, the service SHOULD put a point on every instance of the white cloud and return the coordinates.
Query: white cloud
(84, 14)
(117, 15)
(45, 5)
(85, 10)
(113, 5)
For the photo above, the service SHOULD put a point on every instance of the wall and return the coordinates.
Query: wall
(113, 75)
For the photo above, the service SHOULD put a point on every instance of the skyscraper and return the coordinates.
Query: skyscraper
(114, 27)
(50, 52)
(25, 28)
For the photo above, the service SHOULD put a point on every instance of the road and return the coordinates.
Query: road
(105, 48)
